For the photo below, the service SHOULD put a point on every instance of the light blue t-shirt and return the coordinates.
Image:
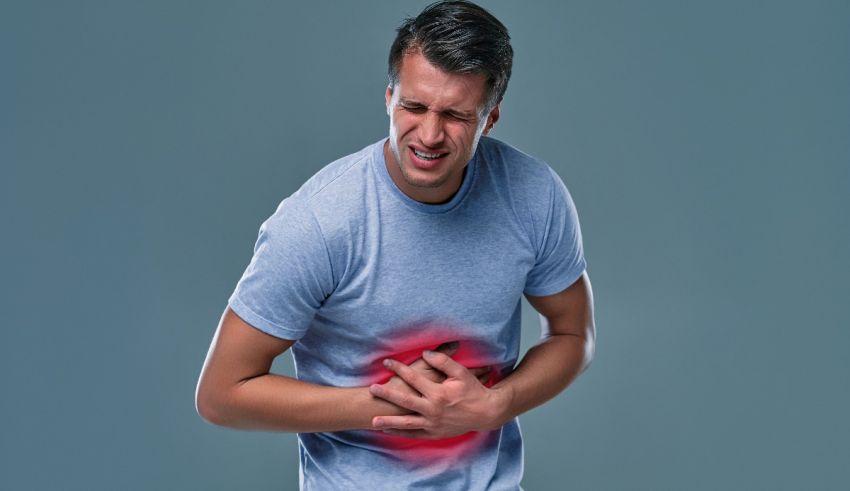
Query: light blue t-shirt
(356, 271)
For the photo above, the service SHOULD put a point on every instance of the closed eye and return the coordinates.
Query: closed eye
(459, 117)
(413, 108)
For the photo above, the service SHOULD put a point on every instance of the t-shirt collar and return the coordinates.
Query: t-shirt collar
(380, 168)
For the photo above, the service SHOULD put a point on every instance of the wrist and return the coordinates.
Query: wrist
(502, 398)
(372, 406)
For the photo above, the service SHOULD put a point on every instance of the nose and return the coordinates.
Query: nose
(431, 130)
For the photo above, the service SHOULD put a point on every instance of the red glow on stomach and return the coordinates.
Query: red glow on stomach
(407, 350)
(456, 450)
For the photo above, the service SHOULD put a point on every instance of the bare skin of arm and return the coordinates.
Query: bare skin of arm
(236, 390)
(460, 403)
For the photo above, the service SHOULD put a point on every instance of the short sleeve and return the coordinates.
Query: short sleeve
(560, 254)
(289, 276)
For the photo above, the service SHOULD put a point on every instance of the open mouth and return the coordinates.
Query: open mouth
(428, 156)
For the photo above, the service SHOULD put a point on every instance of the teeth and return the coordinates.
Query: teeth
(427, 156)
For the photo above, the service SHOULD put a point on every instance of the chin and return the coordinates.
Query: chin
(423, 182)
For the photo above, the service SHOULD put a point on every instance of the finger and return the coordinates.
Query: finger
(445, 364)
(410, 422)
(413, 377)
(481, 373)
(426, 370)
(433, 375)
(478, 371)
(406, 400)
(449, 348)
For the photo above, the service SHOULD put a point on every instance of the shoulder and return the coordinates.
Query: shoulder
(536, 193)
(327, 192)
(335, 190)
(530, 182)
(336, 201)
(523, 173)
(314, 224)
(344, 174)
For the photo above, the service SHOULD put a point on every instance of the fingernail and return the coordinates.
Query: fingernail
(428, 353)
(378, 422)
(387, 362)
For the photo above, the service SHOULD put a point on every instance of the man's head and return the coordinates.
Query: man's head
(457, 37)
(449, 68)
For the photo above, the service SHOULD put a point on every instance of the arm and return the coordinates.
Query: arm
(236, 390)
(460, 403)
(565, 350)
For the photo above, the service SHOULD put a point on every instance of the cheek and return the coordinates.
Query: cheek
(463, 137)
(403, 122)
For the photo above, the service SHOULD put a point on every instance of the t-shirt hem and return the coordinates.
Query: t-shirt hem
(259, 322)
(556, 287)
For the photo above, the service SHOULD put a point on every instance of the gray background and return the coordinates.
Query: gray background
(706, 145)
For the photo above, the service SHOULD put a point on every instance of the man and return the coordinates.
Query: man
(395, 274)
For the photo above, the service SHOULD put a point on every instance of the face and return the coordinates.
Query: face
(435, 122)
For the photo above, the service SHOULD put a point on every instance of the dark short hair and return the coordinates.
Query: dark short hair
(458, 37)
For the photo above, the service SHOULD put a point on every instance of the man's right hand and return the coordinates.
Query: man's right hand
(449, 348)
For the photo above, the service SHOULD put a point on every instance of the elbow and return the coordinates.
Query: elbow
(208, 407)
(589, 349)
(207, 412)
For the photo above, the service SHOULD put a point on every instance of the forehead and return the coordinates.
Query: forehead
(420, 81)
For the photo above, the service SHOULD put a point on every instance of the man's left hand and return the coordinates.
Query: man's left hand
(457, 405)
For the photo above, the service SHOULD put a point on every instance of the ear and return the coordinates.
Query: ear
(492, 118)
(388, 97)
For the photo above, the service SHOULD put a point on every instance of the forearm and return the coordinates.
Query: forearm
(546, 370)
(278, 403)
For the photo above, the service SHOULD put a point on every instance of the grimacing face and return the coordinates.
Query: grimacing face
(436, 121)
